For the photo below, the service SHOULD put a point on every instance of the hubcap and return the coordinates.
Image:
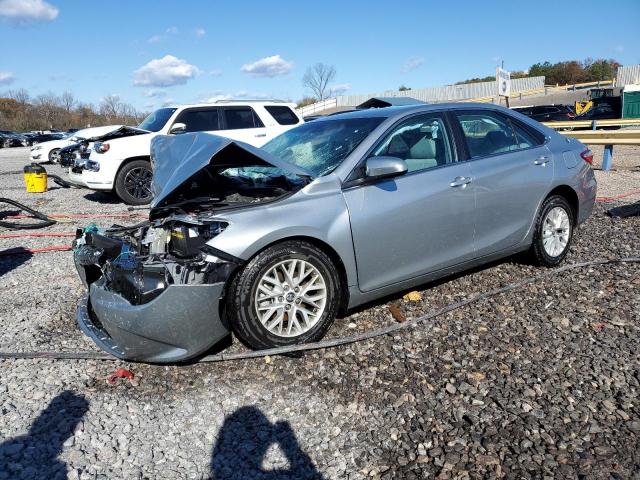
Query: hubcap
(291, 298)
(555, 231)
(137, 183)
(55, 156)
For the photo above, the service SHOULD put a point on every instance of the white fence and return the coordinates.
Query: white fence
(431, 94)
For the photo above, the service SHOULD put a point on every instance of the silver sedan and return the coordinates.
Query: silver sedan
(273, 243)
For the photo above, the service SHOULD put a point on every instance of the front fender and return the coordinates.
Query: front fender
(322, 216)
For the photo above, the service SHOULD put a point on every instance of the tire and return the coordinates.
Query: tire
(550, 246)
(244, 296)
(133, 183)
(54, 155)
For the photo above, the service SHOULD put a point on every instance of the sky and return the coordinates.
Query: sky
(151, 53)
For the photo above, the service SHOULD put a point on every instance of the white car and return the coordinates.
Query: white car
(50, 151)
(120, 161)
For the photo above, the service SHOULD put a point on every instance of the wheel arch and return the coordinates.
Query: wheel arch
(570, 195)
(129, 160)
(326, 249)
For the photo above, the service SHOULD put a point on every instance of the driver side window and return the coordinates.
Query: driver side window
(422, 142)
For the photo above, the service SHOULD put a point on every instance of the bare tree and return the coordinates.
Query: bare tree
(111, 107)
(317, 79)
(21, 96)
(47, 106)
(68, 101)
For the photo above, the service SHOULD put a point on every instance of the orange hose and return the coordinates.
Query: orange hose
(84, 215)
(26, 235)
(617, 197)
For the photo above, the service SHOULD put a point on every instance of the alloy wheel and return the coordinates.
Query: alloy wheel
(556, 229)
(291, 298)
(137, 182)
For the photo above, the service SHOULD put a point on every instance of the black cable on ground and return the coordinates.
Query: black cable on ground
(335, 342)
(59, 181)
(45, 221)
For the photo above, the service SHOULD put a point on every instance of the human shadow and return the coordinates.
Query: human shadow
(243, 442)
(12, 258)
(35, 455)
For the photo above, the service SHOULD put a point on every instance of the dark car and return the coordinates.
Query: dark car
(599, 112)
(547, 113)
(43, 137)
(12, 139)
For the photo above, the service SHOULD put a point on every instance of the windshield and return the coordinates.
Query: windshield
(320, 146)
(156, 120)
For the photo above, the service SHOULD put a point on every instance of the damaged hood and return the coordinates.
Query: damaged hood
(123, 131)
(177, 159)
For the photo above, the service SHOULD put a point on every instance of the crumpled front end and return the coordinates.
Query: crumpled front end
(154, 290)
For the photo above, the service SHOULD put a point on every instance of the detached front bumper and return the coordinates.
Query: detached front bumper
(181, 323)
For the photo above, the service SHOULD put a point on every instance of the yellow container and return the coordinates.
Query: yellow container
(35, 178)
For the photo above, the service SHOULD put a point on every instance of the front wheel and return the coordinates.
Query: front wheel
(288, 294)
(54, 155)
(553, 232)
(133, 183)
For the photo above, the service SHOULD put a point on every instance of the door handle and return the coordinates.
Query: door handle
(260, 135)
(460, 182)
(541, 161)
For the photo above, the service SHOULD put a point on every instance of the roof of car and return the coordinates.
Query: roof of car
(233, 103)
(389, 112)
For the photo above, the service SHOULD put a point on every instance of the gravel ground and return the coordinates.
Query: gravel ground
(538, 382)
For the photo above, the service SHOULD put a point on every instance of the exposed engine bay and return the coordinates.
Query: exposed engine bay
(141, 261)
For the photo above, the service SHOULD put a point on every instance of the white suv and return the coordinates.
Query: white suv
(120, 161)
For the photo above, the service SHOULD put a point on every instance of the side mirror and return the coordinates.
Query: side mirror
(385, 167)
(178, 128)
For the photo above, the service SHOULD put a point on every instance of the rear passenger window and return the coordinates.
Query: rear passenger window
(525, 138)
(422, 142)
(487, 133)
(490, 133)
(283, 115)
(241, 117)
(204, 120)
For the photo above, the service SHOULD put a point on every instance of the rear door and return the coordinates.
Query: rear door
(243, 123)
(512, 172)
(420, 222)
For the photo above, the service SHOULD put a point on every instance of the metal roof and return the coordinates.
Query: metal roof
(381, 102)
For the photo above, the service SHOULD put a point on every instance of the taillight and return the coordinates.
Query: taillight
(569, 115)
(587, 156)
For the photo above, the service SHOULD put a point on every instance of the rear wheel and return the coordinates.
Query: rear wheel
(554, 232)
(133, 183)
(288, 294)
(54, 155)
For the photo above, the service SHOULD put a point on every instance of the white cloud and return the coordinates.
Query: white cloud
(167, 102)
(339, 88)
(164, 72)
(6, 78)
(26, 12)
(268, 67)
(160, 38)
(154, 93)
(216, 72)
(200, 32)
(412, 64)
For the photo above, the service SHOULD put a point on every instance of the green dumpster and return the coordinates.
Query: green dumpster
(631, 101)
